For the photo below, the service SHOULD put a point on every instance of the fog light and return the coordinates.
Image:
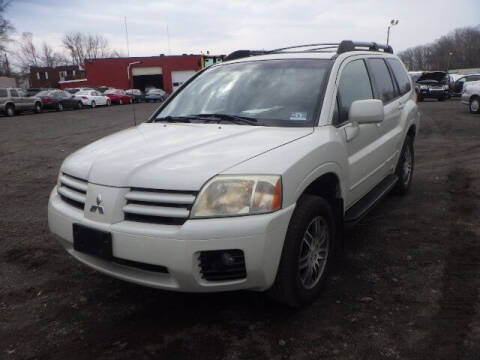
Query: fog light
(228, 259)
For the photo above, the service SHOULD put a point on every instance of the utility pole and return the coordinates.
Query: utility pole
(392, 23)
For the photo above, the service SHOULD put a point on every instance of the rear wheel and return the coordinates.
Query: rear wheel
(37, 108)
(59, 107)
(120, 102)
(109, 102)
(405, 166)
(93, 104)
(10, 110)
(79, 105)
(307, 253)
(475, 105)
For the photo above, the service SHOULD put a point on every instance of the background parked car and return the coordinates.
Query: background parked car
(471, 96)
(118, 96)
(13, 101)
(155, 95)
(92, 98)
(460, 83)
(136, 94)
(59, 100)
(434, 85)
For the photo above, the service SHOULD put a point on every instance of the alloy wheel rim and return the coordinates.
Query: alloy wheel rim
(407, 166)
(475, 105)
(314, 250)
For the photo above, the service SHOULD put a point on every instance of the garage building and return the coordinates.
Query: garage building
(164, 72)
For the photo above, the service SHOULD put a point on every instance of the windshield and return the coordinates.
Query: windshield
(83, 93)
(156, 92)
(277, 92)
(113, 92)
(45, 93)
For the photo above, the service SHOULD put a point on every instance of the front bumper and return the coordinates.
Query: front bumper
(177, 248)
(465, 99)
(434, 93)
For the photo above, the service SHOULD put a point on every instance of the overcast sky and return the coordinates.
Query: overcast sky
(223, 26)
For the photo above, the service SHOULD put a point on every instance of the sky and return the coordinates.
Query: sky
(224, 26)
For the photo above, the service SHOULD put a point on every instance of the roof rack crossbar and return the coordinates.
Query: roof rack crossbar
(342, 47)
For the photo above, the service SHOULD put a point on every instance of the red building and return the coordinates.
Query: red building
(165, 72)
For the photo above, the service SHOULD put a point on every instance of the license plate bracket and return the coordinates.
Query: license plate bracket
(92, 242)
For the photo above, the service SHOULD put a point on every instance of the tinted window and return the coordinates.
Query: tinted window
(382, 80)
(278, 92)
(473, 77)
(400, 75)
(354, 85)
(13, 93)
(3, 93)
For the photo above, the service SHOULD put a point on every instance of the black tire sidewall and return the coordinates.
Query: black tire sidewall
(288, 287)
(401, 188)
(470, 106)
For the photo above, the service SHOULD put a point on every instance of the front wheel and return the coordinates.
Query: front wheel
(59, 107)
(109, 102)
(307, 253)
(10, 110)
(93, 104)
(405, 166)
(120, 102)
(475, 105)
(37, 108)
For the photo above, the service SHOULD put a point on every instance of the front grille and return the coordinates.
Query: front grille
(158, 206)
(222, 265)
(73, 190)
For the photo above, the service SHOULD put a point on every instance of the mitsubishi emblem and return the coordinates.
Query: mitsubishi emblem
(98, 207)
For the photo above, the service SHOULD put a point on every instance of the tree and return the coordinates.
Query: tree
(5, 26)
(85, 46)
(456, 50)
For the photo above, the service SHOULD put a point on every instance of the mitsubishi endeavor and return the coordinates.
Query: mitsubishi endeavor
(246, 175)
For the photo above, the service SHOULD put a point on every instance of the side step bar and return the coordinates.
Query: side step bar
(365, 204)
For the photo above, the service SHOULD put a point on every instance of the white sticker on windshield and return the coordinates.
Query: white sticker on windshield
(298, 116)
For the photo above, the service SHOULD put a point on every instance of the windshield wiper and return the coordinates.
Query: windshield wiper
(182, 119)
(231, 118)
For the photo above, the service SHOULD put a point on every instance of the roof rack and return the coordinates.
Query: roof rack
(342, 47)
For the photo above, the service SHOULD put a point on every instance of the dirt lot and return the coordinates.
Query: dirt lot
(407, 287)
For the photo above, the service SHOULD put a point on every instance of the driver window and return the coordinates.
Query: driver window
(354, 85)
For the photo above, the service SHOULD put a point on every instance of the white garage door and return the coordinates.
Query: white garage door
(179, 77)
(150, 70)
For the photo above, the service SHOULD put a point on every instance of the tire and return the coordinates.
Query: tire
(297, 283)
(93, 104)
(37, 108)
(405, 167)
(59, 107)
(10, 110)
(441, 98)
(474, 105)
(79, 105)
(109, 102)
(120, 102)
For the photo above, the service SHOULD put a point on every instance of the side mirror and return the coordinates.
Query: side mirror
(366, 111)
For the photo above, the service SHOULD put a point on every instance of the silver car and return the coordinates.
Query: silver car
(13, 101)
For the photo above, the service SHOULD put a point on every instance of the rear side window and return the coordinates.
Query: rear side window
(401, 76)
(354, 85)
(13, 93)
(3, 93)
(382, 80)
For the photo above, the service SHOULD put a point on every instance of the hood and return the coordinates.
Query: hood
(433, 77)
(174, 156)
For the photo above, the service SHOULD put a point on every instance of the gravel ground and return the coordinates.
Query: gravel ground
(407, 286)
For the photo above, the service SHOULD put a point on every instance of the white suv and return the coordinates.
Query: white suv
(245, 176)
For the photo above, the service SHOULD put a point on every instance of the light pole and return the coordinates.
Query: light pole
(392, 23)
(449, 57)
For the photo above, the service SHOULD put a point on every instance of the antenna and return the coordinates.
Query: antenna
(128, 72)
(168, 39)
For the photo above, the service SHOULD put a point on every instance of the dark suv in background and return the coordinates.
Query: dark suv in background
(433, 85)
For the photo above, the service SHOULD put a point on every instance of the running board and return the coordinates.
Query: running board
(365, 204)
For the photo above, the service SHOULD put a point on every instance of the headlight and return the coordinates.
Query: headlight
(423, 87)
(235, 195)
